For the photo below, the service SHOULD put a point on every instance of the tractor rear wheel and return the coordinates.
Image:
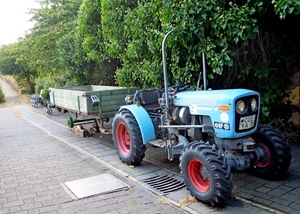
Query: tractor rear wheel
(127, 138)
(206, 173)
(274, 151)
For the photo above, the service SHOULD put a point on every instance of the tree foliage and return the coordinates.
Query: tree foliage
(245, 41)
(144, 24)
(285, 7)
(83, 51)
(101, 66)
(15, 61)
(53, 20)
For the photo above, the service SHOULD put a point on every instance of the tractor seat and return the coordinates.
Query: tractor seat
(149, 98)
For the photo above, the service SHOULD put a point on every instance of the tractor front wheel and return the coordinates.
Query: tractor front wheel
(127, 138)
(273, 151)
(205, 173)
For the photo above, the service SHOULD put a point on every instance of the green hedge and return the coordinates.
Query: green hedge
(2, 97)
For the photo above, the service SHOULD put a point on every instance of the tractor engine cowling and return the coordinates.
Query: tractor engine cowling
(231, 113)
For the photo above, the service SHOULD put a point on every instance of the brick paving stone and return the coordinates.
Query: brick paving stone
(262, 195)
(281, 201)
(253, 185)
(27, 196)
(263, 189)
(31, 206)
(112, 212)
(123, 211)
(295, 207)
(290, 197)
(272, 185)
(262, 201)
(264, 212)
(29, 201)
(13, 204)
(49, 208)
(281, 207)
(14, 209)
(243, 189)
(13, 198)
(97, 204)
(293, 184)
(277, 192)
(286, 188)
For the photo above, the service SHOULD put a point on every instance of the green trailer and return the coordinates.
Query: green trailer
(89, 103)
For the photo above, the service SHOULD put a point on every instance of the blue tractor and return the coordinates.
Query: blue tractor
(215, 133)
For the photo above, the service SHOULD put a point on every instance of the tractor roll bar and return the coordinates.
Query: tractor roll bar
(165, 65)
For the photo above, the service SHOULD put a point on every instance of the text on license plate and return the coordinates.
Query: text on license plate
(247, 122)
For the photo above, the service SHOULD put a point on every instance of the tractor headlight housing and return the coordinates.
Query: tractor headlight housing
(129, 99)
(253, 105)
(240, 107)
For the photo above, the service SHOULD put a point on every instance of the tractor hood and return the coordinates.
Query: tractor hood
(211, 98)
(219, 110)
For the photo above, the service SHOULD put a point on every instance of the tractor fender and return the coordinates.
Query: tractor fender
(144, 121)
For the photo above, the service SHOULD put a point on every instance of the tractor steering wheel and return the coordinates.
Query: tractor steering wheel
(179, 88)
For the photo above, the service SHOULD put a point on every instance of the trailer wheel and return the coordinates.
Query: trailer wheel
(274, 152)
(127, 138)
(206, 173)
(70, 122)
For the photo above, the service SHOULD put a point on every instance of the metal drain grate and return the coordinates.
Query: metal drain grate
(164, 184)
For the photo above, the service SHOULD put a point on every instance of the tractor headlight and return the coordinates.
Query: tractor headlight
(240, 107)
(129, 99)
(253, 104)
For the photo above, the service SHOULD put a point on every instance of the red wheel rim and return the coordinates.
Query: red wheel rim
(268, 158)
(123, 138)
(198, 175)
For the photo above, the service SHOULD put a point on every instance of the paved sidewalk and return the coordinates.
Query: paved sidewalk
(38, 155)
(34, 166)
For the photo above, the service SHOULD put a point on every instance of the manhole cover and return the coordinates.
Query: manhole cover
(104, 183)
(164, 184)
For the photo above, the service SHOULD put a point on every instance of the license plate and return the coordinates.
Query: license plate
(247, 122)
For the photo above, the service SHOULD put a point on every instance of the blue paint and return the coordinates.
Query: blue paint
(206, 103)
(144, 121)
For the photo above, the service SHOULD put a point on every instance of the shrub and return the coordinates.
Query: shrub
(2, 96)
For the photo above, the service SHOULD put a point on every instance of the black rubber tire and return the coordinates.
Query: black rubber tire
(278, 153)
(127, 138)
(214, 185)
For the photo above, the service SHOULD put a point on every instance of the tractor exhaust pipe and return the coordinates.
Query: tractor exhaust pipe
(165, 66)
(166, 70)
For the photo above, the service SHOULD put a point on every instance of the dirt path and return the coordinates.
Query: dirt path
(11, 96)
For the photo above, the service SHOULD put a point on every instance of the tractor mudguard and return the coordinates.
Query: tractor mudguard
(144, 121)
